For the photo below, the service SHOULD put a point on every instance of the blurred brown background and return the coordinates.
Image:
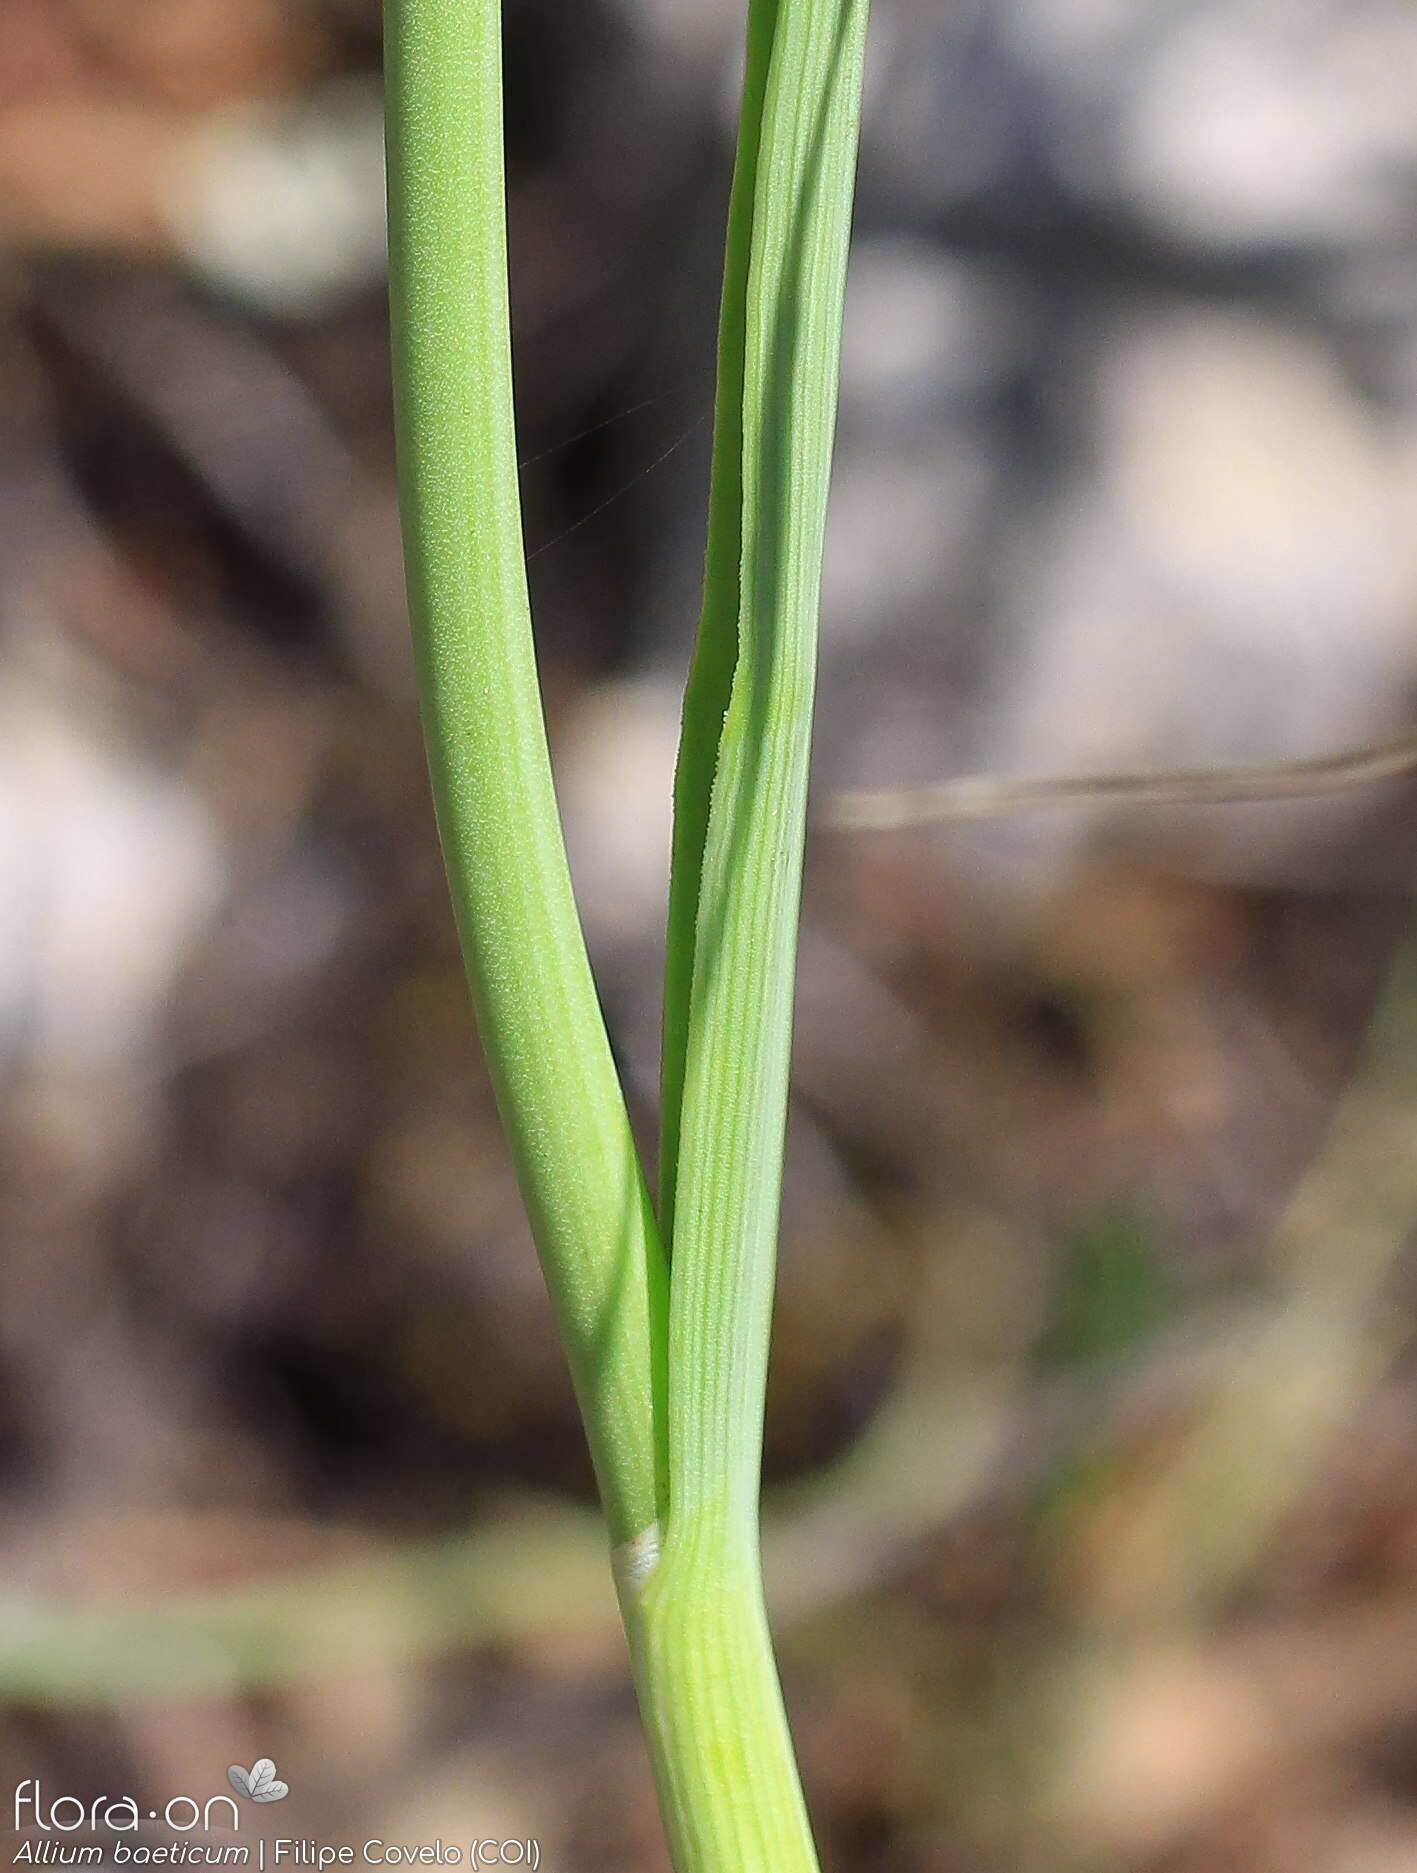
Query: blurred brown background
(1092, 1519)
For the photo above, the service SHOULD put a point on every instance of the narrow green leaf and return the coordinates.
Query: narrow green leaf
(713, 1709)
(707, 693)
(734, 1104)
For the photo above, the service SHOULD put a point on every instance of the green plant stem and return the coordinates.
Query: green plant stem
(540, 1020)
(713, 1709)
(670, 1379)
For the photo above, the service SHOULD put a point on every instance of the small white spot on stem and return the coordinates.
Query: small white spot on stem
(634, 1560)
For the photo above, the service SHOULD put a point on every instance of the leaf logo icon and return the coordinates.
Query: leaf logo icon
(259, 1782)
